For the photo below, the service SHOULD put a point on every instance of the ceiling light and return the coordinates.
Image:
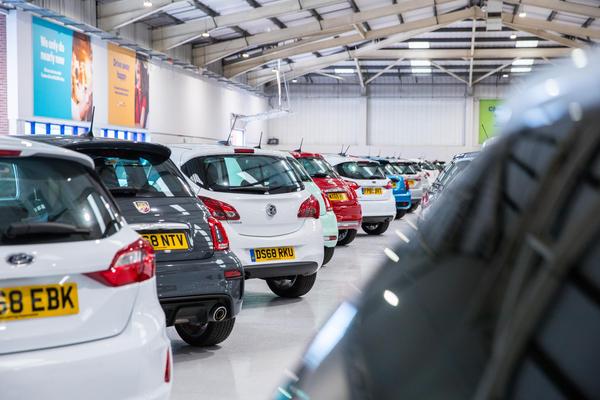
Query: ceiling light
(523, 61)
(421, 70)
(205, 34)
(527, 43)
(418, 45)
(343, 70)
(294, 80)
(579, 58)
(513, 36)
(505, 75)
(391, 298)
(245, 55)
(147, 3)
(520, 69)
(274, 70)
(420, 63)
(522, 14)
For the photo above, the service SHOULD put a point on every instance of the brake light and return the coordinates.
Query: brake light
(168, 368)
(328, 206)
(133, 263)
(425, 199)
(243, 151)
(220, 210)
(388, 185)
(10, 153)
(309, 208)
(232, 274)
(353, 185)
(219, 236)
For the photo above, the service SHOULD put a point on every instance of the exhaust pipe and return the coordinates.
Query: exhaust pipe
(219, 313)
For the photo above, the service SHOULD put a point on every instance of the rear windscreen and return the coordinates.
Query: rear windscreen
(136, 174)
(37, 192)
(360, 170)
(390, 170)
(299, 170)
(405, 169)
(243, 173)
(317, 167)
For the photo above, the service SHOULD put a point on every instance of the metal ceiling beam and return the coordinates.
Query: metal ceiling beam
(452, 74)
(470, 83)
(557, 5)
(456, 54)
(386, 69)
(172, 36)
(207, 54)
(238, 68)
(572, 30)
(121, 13)
(546, 35)
(359, 73)
(500, 68)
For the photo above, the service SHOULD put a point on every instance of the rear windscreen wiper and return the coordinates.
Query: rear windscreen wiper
(249, 188)
(320, 175)
(21, 229)
(124, 191)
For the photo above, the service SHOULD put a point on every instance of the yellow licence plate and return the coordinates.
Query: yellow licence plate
(167, 241)
(272, 254)
(337, 196)
(372, 191)
(25, 302)
(410, 183)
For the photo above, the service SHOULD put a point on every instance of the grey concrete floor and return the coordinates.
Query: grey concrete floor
(271, 333)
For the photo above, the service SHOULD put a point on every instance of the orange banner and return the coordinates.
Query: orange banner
(121, 90)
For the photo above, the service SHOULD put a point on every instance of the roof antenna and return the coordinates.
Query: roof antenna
(299, 149)
(346, 152)
(226, 142)
(379, 155)
(90, 132)
(341, 153)
(369, 156)
(259, 142)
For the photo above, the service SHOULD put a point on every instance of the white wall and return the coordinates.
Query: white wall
(183, 105)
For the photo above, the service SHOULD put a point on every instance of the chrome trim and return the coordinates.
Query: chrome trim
(158, 226)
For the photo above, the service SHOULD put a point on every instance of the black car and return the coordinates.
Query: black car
(497, 295)
(200, 282)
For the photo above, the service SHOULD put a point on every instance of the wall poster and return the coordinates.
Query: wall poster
(488, 120)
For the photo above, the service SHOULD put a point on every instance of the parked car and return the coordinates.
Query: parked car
(200, 281)
(373, 189)
(271, 218)
(430, 170)
(423, 174)
(400, 189)
(342, 196)
(78, 305)
(412, 179)
(496, 295)
(447, 176)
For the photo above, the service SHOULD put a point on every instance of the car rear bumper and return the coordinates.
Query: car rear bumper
(403, 201)
(200, 308)
(378, 208)
(416, 194)
(330, 229)
(348, 216)
(280, 270)
(130, 365)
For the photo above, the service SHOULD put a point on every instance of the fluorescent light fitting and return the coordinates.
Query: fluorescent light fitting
(513, 36)
(418, 45)
(343, 70)
(421, 70)
(527, 43)
(205, 34)
(522, 14)
(520, 69)
(523, 61)
(505, 75)
(245, 55)
(147, 3)
(420, 63)
(294, 80)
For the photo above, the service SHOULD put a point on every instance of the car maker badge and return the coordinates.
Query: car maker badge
(271, 210)
(142, 206)
(19, 259)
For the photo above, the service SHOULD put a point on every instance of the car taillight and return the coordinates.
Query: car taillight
(388, 185)
(232, 274)
(168, 368)
(220, 210)
(131, 264)
(328, 206)
(10, 153)
(243, 151)
(309, 208)
(219, 236)
(353, 185)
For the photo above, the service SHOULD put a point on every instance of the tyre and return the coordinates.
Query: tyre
(328, 254)
(400, 213)
(207, 334)
(297, 286)
(375, 229)
(346, 236)
(413, 207)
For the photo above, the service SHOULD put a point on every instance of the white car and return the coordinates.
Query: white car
(79, 315)
(373, 189)
(271, 218)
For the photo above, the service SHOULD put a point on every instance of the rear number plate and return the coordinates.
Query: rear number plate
(167, 241)
(272, 254)
(369, 191)
(337, 196)
(25, 302)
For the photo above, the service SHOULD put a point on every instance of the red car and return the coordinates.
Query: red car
(340, 193)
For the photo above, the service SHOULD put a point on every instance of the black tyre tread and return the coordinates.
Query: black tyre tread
(383, 226)
(302, 286)
(328, 254)
(348, 239)
(400, 214)
(216, 333)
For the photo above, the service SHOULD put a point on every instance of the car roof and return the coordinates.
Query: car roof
(304, 154)
(335, 159)
(469, 155)
(184, 152)
(30, 148)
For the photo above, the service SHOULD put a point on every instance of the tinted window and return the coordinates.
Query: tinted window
(390, 170)
(247, 173)
(318, 168)
(405, 169)
(452, 171)
(36, 192)
(360, 170)
(135, 174)
(299, 170)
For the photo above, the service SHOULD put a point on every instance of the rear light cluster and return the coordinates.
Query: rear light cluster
(232, 274)
(388, 185)
(168, 368)
(243, 151)
(328, 206)
(220, 210)
(309, 208)
(218, 234)
(132, 264)
(10, 153)
(353, 188)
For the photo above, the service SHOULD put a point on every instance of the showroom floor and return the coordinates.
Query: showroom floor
(271, 333)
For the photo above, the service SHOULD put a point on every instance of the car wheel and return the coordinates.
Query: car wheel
(296, 286)
(400, 214)
(375, 229)
(346, 237)
(328, 254)
(207, 334)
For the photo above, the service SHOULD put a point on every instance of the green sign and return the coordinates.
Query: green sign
(488, 125)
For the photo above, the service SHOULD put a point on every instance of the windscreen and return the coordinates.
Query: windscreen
(452, 171)
(299, 170)
(138, 174)
(390, 170)
(244, 173)
(360, 170)
(52, 200)
(318, 168)
(427, 165)
(405, 169)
